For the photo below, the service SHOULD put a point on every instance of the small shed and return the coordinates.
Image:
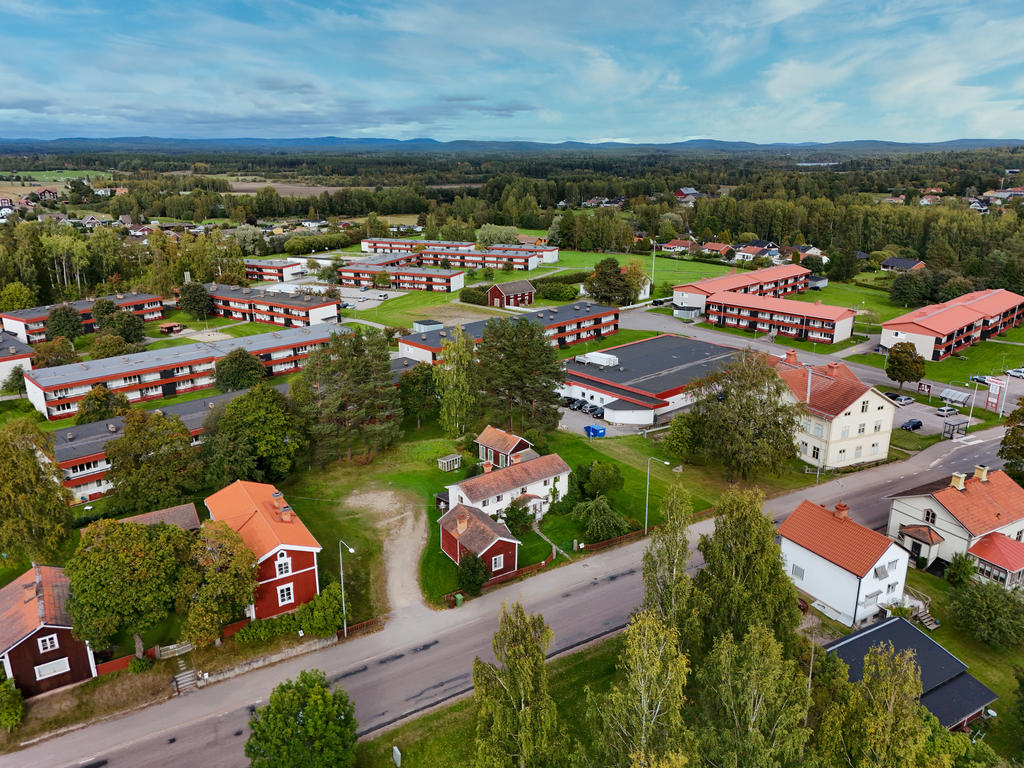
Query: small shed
(425, 326)
(169, 328)
(450, 463)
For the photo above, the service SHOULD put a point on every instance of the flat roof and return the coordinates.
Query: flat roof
(272, 262)
(550, 316)
(414, 241)
(82, 305)
(238, 293)
(112, 367)
(362, 267)
(653, 365)
(12, 346)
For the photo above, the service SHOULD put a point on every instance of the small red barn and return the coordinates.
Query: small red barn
(285, 550)
(36, 646)
(467, 529)
(518, 293)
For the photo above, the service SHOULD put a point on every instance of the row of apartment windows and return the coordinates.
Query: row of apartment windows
(858, 451)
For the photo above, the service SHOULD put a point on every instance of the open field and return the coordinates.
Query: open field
(58, 175)
(286, 188)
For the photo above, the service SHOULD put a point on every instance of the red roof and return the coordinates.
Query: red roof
(1000, 550)
(677, 243)
(38, 597)
(954, 314)
(261, 516)
(734, 281)
(832, 389)
(984, 505)
(835, 537)
(788, 306)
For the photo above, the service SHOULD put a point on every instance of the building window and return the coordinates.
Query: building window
(803, 446)
(283, 564)
(546, 483)
(285, 595)
(890, 589)
(819, 430)
(485, 503)
(497, 563)
(929, 516)
(845, 433)
(842, 454)
(878, 426)
(860, 429)
(874, 448)
(857, 452)
(798, 572)
(52, 668)
(48, 643)
(815, 452)
(864, 406)
(892, 565)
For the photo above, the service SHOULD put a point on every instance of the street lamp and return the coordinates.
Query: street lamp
(974, 384)
(341, 570)
(647, 494)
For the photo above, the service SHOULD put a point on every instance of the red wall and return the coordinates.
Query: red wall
(303, 589)
(506, 548)
(25, 656)
(300, 561)
(449, 545)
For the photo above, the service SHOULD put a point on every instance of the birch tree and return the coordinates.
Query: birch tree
(455, 379)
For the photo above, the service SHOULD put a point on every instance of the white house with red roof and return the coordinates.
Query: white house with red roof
(850, 571)
(981, 516)
(468, 529)
(286, 552)
(844, 420)
(939, 330)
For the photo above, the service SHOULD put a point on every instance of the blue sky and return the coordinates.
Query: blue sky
(647, 70)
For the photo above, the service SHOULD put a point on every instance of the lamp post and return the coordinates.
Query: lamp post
(974, 384)
(341, 570)
(647, 493)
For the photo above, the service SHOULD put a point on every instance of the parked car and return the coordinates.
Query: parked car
(903, 400)
(363, 298)
(893, 395)
(588, 408)
(577, 404)
(911, 424)
(568, 401)
(979, 379)
(597, 413)
(1017, 373)
(382, 296)
(657, 302)
(364, 287)
(947, 410)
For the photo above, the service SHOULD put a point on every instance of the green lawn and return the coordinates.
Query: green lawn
(854, 297)
(666, 269)
(911, 441)
(447, 736)
(992, 666)
(13, 409)
(623, 336)
(249, 329)
(152, 328)
(417, 305)
(987, 358)
(783, 341)
(179, 341)
(59, 175)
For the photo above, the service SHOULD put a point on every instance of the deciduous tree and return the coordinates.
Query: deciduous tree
(517, 723)
(65, 321)
(456, 380)
(418, 392)
(100, 403)
(668, 588)
(1011, 449)
(607, 285)
(600, 521)
(472, 574)
(14, 384)
(193, 298)
(127, 325)
(103, 308)
(492, 234)
(603, 478)
(904, 363)
(34, 515)
(153, 464)
(123, 576)
(304, 725)
(110, 345)
(16, 295)
(49, 354)
(642, 715)
(746, 422)
(239, 369)
(989, 612)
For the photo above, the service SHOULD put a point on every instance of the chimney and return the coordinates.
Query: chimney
(841, 511)
(488, 467)
(833, 366)
(286, 514)
(461, 523)
(958, 481)
(981, 473)
(791, 356)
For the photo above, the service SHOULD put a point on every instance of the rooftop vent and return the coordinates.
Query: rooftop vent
(69, 436)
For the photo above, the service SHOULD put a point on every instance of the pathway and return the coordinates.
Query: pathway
(555, 547)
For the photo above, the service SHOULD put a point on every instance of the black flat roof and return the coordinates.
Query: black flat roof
(657, 364)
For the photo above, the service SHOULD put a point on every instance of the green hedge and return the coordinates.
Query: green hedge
(557, 292)
(473, 296)
(320, 617)
(311, 243)
(561, 277)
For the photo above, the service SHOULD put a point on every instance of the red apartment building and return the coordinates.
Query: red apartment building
(292, 310)
(688, 300)
(29, 325)
(818, 322)
(286, 552)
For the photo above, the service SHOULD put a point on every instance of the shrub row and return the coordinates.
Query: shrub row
(320, 617)
(561, 277)
(557, 292)
(473, 296)
(310, 243)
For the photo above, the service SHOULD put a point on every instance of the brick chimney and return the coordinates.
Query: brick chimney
(461, 523)
(958, 481)
(841, 511)
(488, 467)
(791, 356)
(981, 473)
(286, 514)
(833, 367)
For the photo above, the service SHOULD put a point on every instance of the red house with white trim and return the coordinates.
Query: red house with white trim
(467, 529)
(286, 552)
(518, 293)
(37, 649)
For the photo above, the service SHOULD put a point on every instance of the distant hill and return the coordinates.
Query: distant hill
(329, 144)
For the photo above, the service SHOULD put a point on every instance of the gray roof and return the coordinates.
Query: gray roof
(183, 516)
(552, 316)
(897, 262)
(272, 262)
(403, 269)
(89, 439)
(652, 365)
(515, 286)
(83, 305)
(413, 241)
(520, 247)
(113, 367)
(400, 365)
(12, 346)
(238, 293)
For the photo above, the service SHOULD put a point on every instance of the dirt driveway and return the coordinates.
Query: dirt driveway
(403, 524)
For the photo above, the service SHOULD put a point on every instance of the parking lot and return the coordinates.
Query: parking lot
(931, 421)
(366, 299)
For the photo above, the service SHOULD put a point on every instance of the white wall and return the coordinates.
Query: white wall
(17, 328)
(549, 257)
(6, 366)
(832, 442)
(36, 396)
(458, 282)
(925, 345)
(416, 353)
(492, 506)
(685, 299)
(844, 329)
(328, 314)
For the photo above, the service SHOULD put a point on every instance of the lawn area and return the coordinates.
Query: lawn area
(59, 175)
(992, 666)
(911, 441)
(447, 736)
(152, 328)
(987, 358)
(250, 329)
(179, 341)
(666, 269)
(13, 409)
(417, 305)
(786, 342)
(855, 297)
(623, 336)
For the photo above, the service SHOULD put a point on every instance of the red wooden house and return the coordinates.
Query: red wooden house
(467, 529)
(518, 293)
(285, 550)
(37, 649)
(499, 447)
(47, 194)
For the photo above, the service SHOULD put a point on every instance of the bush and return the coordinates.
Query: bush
(560, 277)
(137, 665)
(300, 244)
(267, 629)
(961, 569)
(472, 574)
(989, 613)
(600, 521)
(557, 292)
(518, 518)
(12, 706)
(320, 617)
(473, 296)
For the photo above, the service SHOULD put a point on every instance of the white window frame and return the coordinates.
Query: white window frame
(798, 572)
(283, 562)
(497, 563)
(52, 668)
(288, 589)
(48, 643)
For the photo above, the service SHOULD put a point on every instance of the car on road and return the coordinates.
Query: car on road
(364, 288)
(597, 413)
(657, 302)
(979, 379)
(911, 424)
(1017, 373)
(382, 296)
(947, 410)
(903, 400)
